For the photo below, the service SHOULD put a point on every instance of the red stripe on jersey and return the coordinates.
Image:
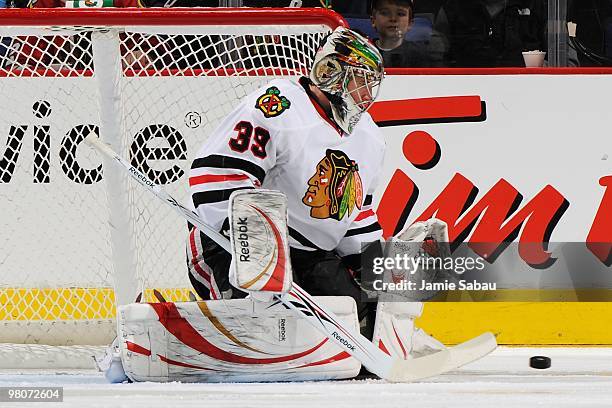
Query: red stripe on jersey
(364, 214)
(212, 178)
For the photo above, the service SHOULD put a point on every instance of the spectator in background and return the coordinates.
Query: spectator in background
(593, 19)
(392, 19)
(483, 33)
(494, 33)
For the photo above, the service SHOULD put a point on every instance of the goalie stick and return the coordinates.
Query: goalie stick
(299, 301)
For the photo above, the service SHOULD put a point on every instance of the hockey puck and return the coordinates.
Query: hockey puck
(539, 362)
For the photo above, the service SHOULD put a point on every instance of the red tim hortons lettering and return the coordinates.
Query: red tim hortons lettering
(599, 240)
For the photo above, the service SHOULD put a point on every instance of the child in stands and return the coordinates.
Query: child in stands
(392, 19)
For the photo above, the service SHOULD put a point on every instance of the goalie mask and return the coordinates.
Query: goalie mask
(349, 69)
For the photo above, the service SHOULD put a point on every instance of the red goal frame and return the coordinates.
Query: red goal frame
(165, 16)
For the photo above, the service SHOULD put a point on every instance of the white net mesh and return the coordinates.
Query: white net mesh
(62, 245)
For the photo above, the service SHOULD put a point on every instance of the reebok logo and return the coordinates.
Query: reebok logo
(242, 239)
(282, 330)
(141, 178)
(343, 341)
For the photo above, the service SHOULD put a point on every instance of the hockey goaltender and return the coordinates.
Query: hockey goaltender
(292, 168)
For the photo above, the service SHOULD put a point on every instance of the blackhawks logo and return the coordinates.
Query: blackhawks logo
(272, 103)
(335, 189)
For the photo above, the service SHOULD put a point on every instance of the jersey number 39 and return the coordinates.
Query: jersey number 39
(260, 138)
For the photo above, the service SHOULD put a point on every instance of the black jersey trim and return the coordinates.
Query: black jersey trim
(301, 239)
(363, 230)
(227, 162)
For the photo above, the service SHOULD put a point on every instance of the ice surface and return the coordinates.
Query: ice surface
(579, 377)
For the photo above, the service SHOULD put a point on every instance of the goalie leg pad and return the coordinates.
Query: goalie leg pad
(237, 340)
(396, 334)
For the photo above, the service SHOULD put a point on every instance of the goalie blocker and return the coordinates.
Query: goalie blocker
(258, 237)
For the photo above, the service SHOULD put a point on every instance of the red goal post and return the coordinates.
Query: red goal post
(125, 17)
(150, 82)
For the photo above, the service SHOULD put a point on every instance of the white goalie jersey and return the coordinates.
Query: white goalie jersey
(279, 138)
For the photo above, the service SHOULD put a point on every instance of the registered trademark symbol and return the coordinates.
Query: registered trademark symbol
(193, 120)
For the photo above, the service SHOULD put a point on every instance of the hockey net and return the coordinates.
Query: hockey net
(153, 84)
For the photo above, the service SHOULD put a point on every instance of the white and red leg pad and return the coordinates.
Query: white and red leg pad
(396, 334)
(238, 340)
